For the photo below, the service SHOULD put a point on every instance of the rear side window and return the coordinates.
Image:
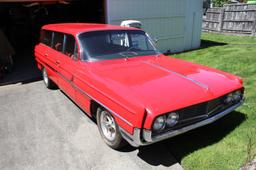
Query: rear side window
(70, 48)
(58, 41)
(46, 37)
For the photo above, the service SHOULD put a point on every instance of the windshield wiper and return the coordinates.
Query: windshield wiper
(124, 53)
(130, 48)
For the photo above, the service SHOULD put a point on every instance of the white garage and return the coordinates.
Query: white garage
(176, 24)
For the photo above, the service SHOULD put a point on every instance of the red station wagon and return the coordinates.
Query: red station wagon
(138, 95)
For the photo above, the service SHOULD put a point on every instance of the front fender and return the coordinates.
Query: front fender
(127, 114)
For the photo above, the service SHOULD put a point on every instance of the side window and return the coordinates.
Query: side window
(70, 48)
(58, 41)
(46, 37)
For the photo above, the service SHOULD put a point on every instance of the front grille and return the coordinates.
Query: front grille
(213, 104)
(199, 112)
(194, 111)
(205, 109)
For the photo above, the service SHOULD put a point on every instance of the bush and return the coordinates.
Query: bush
(220, 3)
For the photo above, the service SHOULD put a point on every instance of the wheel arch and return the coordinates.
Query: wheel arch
(93, 109)
(121, 122)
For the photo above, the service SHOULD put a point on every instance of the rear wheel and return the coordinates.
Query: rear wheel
(47, 81)
(109, 129)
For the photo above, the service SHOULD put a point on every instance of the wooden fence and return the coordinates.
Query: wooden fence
(235, 19)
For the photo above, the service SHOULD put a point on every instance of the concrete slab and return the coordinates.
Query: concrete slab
(43, 129)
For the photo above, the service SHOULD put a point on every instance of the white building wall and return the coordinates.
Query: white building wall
(193, 24)
(167, 20)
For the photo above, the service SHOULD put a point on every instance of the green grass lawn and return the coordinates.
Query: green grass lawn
(223, 144)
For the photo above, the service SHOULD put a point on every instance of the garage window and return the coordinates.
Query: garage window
(58, 41)
(46, 37)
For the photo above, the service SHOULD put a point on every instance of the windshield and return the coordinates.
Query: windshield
(104, 45)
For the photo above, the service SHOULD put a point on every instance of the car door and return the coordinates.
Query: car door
(66, 62)
(44, 53)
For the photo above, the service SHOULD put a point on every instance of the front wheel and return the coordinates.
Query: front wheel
(109, 129)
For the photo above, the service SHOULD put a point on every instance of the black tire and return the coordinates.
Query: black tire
(47, 81)
(117, 142)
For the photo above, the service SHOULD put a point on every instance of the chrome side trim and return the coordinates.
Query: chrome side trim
(144, 137)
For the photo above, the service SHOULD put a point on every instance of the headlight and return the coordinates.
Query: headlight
(237, 96)
(233, 97)
(159, 123)
(172, 119)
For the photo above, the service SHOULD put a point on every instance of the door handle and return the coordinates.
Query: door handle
(46, 55)
(57, 62)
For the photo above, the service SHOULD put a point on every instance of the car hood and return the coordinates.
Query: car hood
(160, 83)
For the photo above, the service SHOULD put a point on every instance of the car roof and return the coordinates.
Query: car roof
(77, 28)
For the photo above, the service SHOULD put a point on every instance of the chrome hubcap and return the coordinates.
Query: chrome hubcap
(45, 76)
(108, 125)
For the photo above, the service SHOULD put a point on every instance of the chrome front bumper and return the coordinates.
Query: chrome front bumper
(144, 137)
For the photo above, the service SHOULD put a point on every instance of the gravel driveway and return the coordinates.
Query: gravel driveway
(43, 129)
